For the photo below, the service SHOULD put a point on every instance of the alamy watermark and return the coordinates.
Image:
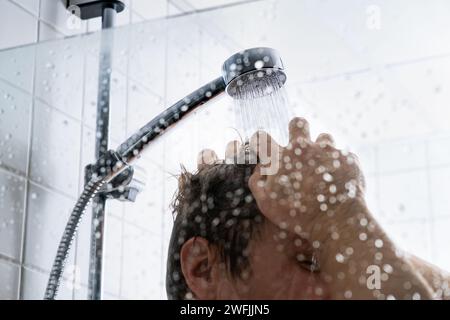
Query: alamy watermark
(73, 21)
(373, 281)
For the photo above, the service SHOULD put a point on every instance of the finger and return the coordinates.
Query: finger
(206, 157)
(298, 130)
(232, 151)
(265, 147)
(324, 140)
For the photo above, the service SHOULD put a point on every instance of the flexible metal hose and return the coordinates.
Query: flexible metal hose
(90, 189)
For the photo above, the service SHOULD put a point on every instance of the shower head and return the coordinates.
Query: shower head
(253, 73)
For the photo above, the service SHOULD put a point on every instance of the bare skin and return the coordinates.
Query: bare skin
(316, 196)
(288, 278)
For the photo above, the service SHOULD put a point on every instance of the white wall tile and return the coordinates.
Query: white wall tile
(80, 293)
(146, 212)
(404, 196)
(12, 200)
(402, 155)
(58, 64)
(16, 67)
(143, 106)
(15, 113)
(439, 151)
(367, 155)
(30, 5)
(35, 282)
(9, 279)
(183, 75)
(149, 9)
(55, 150)
(113, 256)
(147, 55)
(47, 215)
(48, 32)
(413, 237)
(441, 239)
(140, 264)
(440, 191)
(17, 27)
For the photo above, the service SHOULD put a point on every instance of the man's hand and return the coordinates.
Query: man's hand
(318, 193)
(313, 181)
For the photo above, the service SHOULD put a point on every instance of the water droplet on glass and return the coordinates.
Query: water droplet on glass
(259, 64)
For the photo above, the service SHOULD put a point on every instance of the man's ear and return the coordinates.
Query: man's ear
(198, 264)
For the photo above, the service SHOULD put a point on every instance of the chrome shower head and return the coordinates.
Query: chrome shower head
(253, 73)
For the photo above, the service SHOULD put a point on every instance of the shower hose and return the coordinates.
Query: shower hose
(90, 190)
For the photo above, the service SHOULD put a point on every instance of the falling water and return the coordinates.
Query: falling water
(260, 103)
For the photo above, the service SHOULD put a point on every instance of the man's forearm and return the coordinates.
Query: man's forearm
(359, 261)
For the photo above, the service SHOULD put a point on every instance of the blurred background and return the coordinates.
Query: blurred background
(375, 74)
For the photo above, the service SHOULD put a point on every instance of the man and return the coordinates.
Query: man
(302, 231)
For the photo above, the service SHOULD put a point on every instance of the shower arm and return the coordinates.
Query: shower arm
(138, 141)
(115, 162)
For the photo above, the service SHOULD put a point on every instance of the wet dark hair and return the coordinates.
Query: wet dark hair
(215, 203)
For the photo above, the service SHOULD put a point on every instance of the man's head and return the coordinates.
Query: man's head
(222, 247)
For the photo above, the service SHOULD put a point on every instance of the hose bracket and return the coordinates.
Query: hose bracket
(125, 185)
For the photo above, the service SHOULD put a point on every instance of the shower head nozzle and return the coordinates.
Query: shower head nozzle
(253, 73)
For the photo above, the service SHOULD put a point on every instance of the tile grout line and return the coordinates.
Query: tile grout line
(80, 173)
(7, 259)
(27, 173)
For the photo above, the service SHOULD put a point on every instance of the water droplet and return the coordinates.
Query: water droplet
(437, 89)
(34, 195)
(379, 243)
(259, 64)
(339, 258)
(327, 177)
(49, 65)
